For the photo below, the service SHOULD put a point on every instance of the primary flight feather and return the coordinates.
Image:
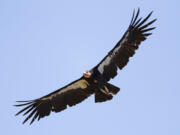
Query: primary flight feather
(95, 80)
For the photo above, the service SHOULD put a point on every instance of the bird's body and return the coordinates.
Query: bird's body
(95, 80)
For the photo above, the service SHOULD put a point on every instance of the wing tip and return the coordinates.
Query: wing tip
(135, 15)
(135, 22)
(29, 106)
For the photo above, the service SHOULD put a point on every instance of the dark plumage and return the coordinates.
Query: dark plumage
(94, 81)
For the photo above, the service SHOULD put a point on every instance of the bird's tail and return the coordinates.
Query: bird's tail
(105, 94)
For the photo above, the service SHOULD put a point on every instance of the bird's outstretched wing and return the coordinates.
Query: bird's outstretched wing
(56, 101)
(119, 56)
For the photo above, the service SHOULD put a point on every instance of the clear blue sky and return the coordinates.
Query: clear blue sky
(47, 44)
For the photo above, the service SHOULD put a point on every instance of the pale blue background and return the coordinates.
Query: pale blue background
(47, 44)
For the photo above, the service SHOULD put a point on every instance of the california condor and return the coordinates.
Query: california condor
(95, 80)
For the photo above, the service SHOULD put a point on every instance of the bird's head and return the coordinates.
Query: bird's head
(87, 74)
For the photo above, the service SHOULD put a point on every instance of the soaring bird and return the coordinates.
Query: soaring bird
(95, 80)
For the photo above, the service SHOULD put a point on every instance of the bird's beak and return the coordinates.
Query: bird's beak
(87, 74)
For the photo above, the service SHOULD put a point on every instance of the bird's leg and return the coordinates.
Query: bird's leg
(113, 92)
(105, 92)
(106, 89)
